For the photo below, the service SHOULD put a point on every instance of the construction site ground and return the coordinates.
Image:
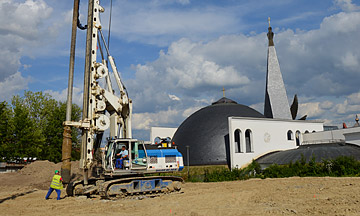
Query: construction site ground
(23, 193)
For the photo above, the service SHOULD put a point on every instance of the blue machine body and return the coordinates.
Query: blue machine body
(167, 159)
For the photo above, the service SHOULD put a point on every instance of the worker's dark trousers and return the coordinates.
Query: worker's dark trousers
(51, 190)
(119, 163)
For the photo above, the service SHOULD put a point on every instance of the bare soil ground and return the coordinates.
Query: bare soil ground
(22, 193)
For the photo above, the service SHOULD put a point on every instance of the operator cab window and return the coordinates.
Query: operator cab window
(138, 155)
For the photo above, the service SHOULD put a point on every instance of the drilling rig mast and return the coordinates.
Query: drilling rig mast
(106, 108)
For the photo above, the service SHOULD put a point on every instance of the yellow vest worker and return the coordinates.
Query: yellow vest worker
(56, 184)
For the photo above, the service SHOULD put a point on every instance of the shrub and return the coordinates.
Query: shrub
(341, 166)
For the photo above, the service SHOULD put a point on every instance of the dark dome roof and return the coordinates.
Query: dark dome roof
(206, 132)
(320, 151)
(224, 100)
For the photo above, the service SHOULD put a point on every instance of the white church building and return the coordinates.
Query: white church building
(251, 137)
(254, 137)
(234, 134)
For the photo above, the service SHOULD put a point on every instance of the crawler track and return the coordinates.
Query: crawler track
(149, 186)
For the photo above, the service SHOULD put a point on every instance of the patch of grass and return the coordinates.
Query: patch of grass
(251, 171)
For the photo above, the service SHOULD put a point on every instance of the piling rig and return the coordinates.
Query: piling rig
(109, 108)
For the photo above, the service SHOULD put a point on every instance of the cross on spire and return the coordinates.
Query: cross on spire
(223, 90)
(269, 21)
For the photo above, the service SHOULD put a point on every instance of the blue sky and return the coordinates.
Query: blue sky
(176, 55)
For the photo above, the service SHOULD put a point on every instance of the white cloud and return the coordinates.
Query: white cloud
(189, 111)
(326, 104)
(26, 66)
(350, 105)
(30, 28)
(350, 61)
(313, 63)
(13, 83)
(165, 118)
(319, 65)
(77, 96)
(22, 29)
(184, 72)
(23, 19)
(354, 98)
(333, 113)
(297, 17)
(312, 110)
(183, 2)
(322, 61)
(156, 23)
(346, 5)
(143, 121)
(174, 97)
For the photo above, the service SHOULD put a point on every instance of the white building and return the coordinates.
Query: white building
(161, 132)
(254, 137)
(345, 135)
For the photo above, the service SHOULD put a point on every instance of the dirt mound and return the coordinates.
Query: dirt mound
(36, 175)
(40, 169)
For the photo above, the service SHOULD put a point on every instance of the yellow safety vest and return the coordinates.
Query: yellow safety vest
(56, 183)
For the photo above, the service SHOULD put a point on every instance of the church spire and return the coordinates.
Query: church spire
(276, 102)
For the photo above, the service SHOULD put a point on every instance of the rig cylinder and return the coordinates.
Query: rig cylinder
(66, 155)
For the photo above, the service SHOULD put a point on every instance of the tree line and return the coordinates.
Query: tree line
(31, 127)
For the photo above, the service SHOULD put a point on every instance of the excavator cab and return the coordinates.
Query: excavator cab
(137, 158)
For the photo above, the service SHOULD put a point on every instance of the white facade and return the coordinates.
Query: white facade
(352, 135)
(331, 136)
(254, 137)
(348, 135)
(161, 132)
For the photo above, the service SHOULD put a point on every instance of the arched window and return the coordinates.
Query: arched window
(297, 136)
(306, 131)
(290, 135)
(314, 131)
(237, 136)
(248, 140)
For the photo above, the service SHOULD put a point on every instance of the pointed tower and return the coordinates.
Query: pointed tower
(276, 101)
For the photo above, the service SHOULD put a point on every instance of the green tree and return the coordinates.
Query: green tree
(6, 128)
(33, 127)
(54, 131)
(28, 137)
